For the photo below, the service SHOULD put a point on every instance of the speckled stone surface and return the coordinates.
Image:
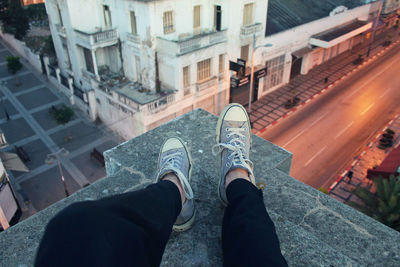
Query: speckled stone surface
(314, 229)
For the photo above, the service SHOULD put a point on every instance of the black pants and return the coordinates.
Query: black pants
(132, 229)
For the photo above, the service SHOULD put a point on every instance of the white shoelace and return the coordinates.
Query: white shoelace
(173, 162)
(236, 147)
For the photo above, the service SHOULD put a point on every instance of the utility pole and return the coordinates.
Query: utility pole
(56, 156)
(374, 29)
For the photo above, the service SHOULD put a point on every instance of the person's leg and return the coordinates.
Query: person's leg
(131, 229)
(248, 234)
(125, 230)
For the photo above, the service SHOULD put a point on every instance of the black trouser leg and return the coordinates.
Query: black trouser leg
(131, 229)
(248, 233)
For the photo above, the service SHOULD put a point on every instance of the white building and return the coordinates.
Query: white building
(305, 34)
(136, 64)
(141, 63)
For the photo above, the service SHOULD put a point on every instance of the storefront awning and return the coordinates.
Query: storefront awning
(389, 166)
(339, 34)
(12, 162)
(301, 52)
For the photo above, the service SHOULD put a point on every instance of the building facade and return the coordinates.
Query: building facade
(309, 34)
(137, 64)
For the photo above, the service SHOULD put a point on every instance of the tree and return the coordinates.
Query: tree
(384, 205)
(14, 18)
(63, 115)
(13, 66)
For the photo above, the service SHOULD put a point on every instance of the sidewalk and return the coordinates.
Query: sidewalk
(342, 189)
(269, 109)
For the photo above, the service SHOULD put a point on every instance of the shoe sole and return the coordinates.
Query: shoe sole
(187, 225)
(218, 132)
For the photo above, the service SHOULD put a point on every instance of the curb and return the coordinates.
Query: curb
(329, 87)
(368, 146)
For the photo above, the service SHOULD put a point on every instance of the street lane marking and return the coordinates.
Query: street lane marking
(372, 78)
(384, 93)
(297, 135)
(342, 131)
(317, 120)
(301, 132)
(319, 152)
(368, 108)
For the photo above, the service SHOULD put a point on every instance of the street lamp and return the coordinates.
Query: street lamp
(252, 69)
(56, 156)
(374, 29)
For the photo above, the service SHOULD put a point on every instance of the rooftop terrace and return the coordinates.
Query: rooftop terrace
(314, 229)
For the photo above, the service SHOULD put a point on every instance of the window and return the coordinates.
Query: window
(244, 52)
(89, 60)
(221, 65)
(203, 70)
(275, 68)
(133, 23)
(196, 17)
(168, 22)
(107, 16)
(217, 18)
(248, 14)
(186, 76)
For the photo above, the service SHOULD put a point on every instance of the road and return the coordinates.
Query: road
(327, 133)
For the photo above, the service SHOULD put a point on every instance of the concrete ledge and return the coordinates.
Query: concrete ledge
(314, 229)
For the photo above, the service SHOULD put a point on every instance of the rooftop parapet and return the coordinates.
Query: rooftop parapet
(314, 229)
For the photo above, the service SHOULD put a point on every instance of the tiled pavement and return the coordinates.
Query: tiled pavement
(370, 157)
(267, 110)
(32, 127)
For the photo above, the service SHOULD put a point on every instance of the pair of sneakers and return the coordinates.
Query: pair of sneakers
(233, 142)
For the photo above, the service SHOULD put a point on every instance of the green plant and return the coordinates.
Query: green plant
(323, 190)
(384, 205)
(63, 115)
(13, 66)
(390, 131)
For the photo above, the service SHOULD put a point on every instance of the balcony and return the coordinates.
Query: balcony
(248, 30)
(133, 38)
(207, 84)
(61, 30)
(97, 39)
(160, 104)
(191, 43)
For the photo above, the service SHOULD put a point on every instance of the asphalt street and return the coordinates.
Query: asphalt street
(326, 134)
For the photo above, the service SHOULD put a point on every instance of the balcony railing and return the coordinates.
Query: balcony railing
(190, 44)
(160, 104)
(207, 84)
(61, 30)
(132, 38)
(249, 30)
(102, 38)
